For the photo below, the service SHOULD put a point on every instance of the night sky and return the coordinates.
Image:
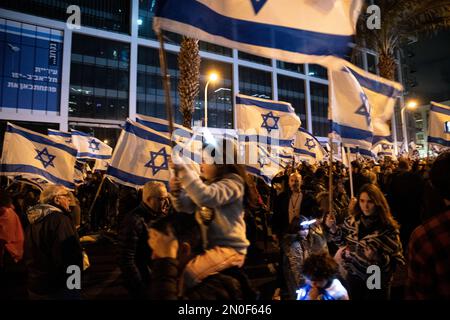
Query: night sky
(432, 61)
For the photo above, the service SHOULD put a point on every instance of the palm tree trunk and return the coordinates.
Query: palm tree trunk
(188, 85)
(387, 65)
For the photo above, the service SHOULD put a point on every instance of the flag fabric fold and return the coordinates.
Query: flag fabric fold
(349, 111)
(439, 125)
(307, 147)
(36, 156)
(90, 147)
(60, 136)
(382, 95)
(266, 129)
(298, 31)
(141, 155)
(266, 117)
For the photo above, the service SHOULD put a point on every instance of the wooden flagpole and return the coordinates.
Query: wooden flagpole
(350, 172)
(166, 83)
(96, 196)
(330, 159)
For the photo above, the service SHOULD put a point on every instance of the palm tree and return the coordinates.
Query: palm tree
(188, 85)
(401, 20)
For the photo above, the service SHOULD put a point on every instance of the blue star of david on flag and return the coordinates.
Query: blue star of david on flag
(310, 144)
(69, 140)
(42, 154)
(266, 120)
(364, 109)
(94, 145)
(152, 163)
(258, 4)
(385, 146)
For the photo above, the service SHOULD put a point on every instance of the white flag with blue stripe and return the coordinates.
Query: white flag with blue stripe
(80, 173)
(60, 136)
(384, 148)
(158, 124)
(141, 155)
(349, 112)
(382, 95)
(90, 147)
(285, 155)
(267, 163)
(190, 143)
(101, 165)
(298, 31)
(439, 125)
(307, 147)
(30, 154)
(266, 117)
(266, 129)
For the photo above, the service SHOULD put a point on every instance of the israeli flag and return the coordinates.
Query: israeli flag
(157, 124)
(307, 147)
(190, 142)
(439, 125)
(267, 164)
(285, 155)
(60, 136)
(264, 156)
(266, 117)
(80, 173)
(382, 95)
(384, 148)
(90, 147)
(298, 31)
(349, 112)
(265, 131)
(31, 154)
(141, 155)
(101, 165)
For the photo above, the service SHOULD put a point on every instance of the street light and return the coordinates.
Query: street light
(211, 78)
(412, 104)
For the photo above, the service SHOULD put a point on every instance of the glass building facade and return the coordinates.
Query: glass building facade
(99, 78)
(110, 71)
(100, 14)
(292, 90)
(319, 109)
(253, 82)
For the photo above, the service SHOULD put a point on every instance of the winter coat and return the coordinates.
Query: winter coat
(51, 246)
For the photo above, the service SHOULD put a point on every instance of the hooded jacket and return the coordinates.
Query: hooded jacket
(51, 246)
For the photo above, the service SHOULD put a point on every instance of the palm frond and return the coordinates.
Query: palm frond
(401, 19)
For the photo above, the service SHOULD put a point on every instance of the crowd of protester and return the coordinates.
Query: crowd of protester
(190, 239)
